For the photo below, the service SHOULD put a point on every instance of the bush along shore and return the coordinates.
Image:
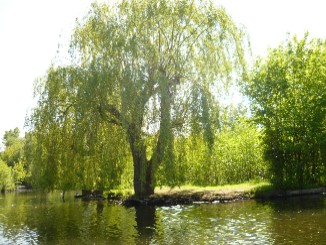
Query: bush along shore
(198, 195)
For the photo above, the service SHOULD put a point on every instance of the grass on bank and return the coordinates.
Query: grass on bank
(247, 187)
(251, 187)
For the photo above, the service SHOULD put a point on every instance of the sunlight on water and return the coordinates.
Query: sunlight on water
(17, 234)
(44, 219)
(215, 224)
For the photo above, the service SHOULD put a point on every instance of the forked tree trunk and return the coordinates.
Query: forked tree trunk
(143, 170)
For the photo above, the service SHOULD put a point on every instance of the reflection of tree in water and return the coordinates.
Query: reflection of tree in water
(99, 207)
(298, 220)
(145, 219)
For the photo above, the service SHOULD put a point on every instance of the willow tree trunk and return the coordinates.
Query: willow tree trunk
(143, 170)
(143, 177)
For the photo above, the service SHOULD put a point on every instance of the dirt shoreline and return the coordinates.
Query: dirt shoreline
(197, 197)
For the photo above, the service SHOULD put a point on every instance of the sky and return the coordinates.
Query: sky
(30, 32)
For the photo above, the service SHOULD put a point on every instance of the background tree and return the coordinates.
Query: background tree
(11, 137)
(142, 71)
(6, 178)
(13, 152)
(238, 155)
(288, 93)
(13, 157)
(235, 157)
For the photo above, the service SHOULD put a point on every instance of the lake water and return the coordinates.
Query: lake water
(33, 218)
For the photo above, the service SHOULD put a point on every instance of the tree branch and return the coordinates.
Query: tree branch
(113, 111)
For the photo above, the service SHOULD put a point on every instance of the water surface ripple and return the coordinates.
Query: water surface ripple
(34, 218)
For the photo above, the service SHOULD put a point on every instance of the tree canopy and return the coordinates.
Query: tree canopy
(13, 168)
(142, 74)
(288, 97)
(11, 137)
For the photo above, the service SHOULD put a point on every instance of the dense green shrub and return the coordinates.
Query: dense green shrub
(236, 156)
(288, 98)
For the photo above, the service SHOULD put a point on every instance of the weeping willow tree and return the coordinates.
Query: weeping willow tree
(143, 71)
(70, 146)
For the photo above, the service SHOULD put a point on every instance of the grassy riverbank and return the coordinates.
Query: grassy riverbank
(211, 193)
(189, 194)
(247, 187)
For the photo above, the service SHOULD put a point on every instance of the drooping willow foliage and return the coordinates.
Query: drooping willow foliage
(70, 146)
(142, 78)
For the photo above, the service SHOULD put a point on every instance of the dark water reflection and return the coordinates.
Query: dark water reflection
(300, 220)
(34, 218)
(145, 222)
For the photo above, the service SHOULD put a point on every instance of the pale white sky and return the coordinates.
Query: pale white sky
(30, 33)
